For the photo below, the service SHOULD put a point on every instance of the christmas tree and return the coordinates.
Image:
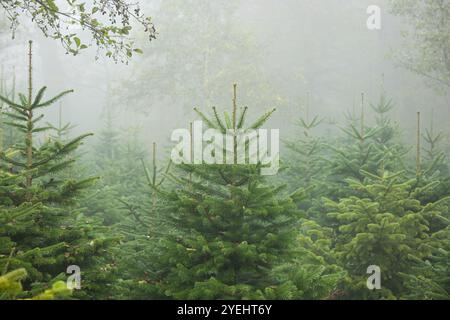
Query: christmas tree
(390, 228)
(234, 232)
(55, 234)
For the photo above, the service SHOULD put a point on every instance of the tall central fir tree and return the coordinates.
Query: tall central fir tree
(47, 231)
(234, 232)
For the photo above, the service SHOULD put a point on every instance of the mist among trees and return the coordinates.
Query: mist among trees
(94, 205)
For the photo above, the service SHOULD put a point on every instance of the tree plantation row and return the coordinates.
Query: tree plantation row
(139, 227)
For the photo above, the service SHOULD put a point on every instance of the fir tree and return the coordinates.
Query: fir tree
(14, 221)
(365, 148)
(306, 160)
(116, 156)
(125, 203)
(233, 230)
(143, 226)
(386, 139)
(389, 227)
(58, 234)
(431, 163)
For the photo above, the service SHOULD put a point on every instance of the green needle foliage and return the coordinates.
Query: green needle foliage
(152, 229)
(234, 233)
(389, 227)
(308, 152)
(43, 230)
(366, 148)
(376, 207)
(11, 287)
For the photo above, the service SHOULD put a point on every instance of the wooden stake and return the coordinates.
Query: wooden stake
(29, 137)
(234, 122)
(192, 149)
(418, 146)
(362, 117)
(2, 86)
(432, 122)
(13, 99)
(154, 178)
(234, 105)
(13, 90)
(154, 164)
(307, 108)
(3, 92)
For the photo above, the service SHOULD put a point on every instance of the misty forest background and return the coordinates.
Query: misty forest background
(364, 179)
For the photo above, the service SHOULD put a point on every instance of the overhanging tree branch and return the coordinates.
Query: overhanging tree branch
(108, 22)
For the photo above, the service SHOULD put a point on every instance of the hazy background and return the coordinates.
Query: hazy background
(277, 52)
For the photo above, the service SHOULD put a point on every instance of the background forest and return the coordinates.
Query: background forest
(86, 178)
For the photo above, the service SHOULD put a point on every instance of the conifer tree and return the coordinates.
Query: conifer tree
(143, 227)
(431, 163)
(233, 230)
(116, 157)
(386, 139)
(124, 202)
(380, 213)
(389, 227)
(98, 283)
(351, 153)
(14, 221)
(58, 234)
(366, 148)
(306, 161)
(430, 278)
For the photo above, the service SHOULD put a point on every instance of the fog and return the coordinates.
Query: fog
(248, 152)
(278, 52)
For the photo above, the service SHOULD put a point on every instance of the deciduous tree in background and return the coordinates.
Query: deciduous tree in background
(428, 50)
(108, 22)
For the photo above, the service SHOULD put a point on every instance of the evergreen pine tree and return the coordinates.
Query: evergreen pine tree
(233, 230)
(58, 234)
(116, 156)
(389, 227)
(306, 161)
(13, 221)
(432, 164)
(365, 148)
(143, 227)
(125, 203)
